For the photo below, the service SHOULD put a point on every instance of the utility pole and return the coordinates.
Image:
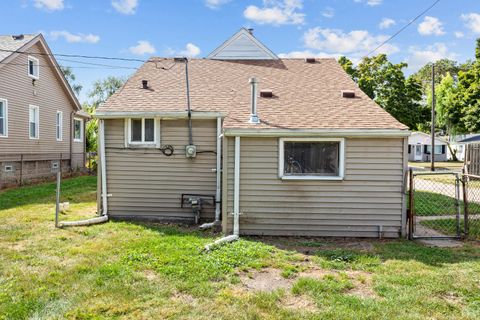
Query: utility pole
(432, 151)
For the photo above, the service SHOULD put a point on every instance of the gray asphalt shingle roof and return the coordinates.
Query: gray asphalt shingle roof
(7, 42)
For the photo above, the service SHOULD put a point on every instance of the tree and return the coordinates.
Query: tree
(385, 82)
(348, 66)
(104, 88)
(442, 67)
(70, 77)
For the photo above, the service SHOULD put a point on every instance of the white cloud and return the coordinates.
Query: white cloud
(276, 12)
(215, 4)
(125, 6)
(143, 47)
(472, 21)
(49, 5)
(74, 38)
(371, 3)
(386, 23)
(421, 56)
(458, 34)
(431, 26)
(354, 42)
(190, 50)
(329, 12)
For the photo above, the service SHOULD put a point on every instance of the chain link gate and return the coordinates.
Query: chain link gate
(436, 207)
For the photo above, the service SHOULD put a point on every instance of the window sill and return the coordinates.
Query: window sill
(33, 77)
(142, 145)
(325, 178)
(77, 140)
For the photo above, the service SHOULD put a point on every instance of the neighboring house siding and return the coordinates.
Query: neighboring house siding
(369, 196)
(144, 183)
(48, 94)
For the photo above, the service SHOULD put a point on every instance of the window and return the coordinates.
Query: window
(142, 131)
(55, 165)
(34, 122)
(304, 158)
(77, 130)
(59, 126)
(33, 67)
(8, 168)
(3, 118)
(439, 149)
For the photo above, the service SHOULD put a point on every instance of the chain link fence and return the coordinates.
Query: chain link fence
(472, 207)
(21, 169)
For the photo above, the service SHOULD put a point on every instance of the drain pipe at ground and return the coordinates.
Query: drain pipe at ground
(218, 193)
(236, 202)
(103, 166)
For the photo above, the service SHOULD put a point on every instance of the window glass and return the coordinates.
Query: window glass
(137, 130)
(149, 130)
(77, 129)
(2, 119)
(311, 158)
(33, 122)
(33, 67)
(59, 125)
(438, 149)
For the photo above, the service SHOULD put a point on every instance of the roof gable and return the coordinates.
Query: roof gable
(242, 45)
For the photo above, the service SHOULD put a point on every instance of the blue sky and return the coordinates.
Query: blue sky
(291, 28)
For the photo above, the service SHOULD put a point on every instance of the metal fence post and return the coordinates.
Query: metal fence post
(57, 207)
(411, 205)
(21, 169)
(465, 205)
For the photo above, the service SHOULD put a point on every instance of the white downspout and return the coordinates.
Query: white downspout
(236, 202)
(218, 193)
(103, 167)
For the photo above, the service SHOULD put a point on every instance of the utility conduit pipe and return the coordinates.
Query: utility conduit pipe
(103, 167)
(236, 203)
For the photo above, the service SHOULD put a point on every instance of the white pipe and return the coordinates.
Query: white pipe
(218, 193)
(253, 114)
(236, 203)
(103, 166)
(236, 189)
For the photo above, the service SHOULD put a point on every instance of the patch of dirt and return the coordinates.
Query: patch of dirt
(268, 279)
(301, 302)
(184, 298)
(150, 275)
(452, 298)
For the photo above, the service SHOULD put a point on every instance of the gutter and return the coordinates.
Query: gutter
(103, 167)
(317, 132)
(236, 203)
(155, 114)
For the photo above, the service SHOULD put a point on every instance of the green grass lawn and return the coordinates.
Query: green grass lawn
(436, 204)
(450, 165)
(125, 270)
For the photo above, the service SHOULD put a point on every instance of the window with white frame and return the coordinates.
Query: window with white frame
(59, 126)
(439, 149)
(33, 67)
(142, 131)
(77, 130)
(34, 122)
(311, 158)
(3, 118)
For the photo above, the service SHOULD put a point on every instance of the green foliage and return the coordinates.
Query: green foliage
(348, 66)
(70, 77)
(104, 88)
(442, 68)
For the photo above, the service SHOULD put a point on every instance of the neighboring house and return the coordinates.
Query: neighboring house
(458, 145)
(41, 123)
(420, 147)
(290, 146)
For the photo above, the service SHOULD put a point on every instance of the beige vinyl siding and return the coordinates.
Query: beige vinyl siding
(48, 94)
(369, 196)
(145, 183)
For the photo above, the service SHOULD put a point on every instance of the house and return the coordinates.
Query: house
(41, 122)
(458, 145)
(270, 146)
(420, 147)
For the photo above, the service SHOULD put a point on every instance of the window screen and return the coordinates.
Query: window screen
(149, 130)
(2, 118)
(311, 158)
(137, 130)
(33, 122)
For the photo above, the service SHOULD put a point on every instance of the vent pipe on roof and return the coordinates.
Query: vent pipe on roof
(145, 84)
(310, 60)
(253, 115)
(250, 30)
(18, 37)
(349, 94)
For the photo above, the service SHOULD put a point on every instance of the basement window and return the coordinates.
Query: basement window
(8, 168)
(142, 131)
(311, 158)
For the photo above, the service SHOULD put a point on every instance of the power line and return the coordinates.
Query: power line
(97, 64)
(404, 27)
(73, 67)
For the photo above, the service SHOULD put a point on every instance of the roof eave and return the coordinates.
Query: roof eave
(317, 132)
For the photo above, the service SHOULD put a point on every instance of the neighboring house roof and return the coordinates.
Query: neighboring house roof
(472, 139)
(11, 48)
(423, 138)
(242, 45)
(305, 95)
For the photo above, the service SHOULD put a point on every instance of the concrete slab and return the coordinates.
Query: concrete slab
(441, 243)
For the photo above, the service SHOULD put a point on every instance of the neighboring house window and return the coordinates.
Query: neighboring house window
(304, 158)
(33, 67)
(3, 118)
(59, 126)
(142, 131)
(34, 122)
(77, 130)
(439, 149)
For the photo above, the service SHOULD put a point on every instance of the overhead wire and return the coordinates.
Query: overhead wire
(404, 27)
